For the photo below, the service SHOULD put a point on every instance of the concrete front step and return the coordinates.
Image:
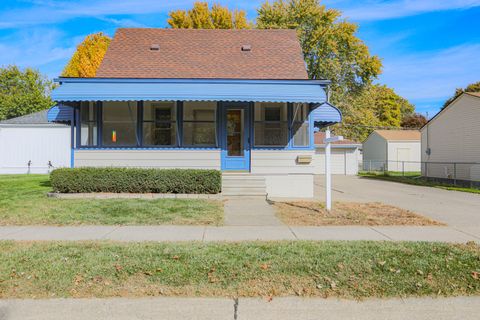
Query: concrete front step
(243, 185)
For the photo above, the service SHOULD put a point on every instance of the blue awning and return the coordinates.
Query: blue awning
(325, 114)
(97, 89)
(60, 113)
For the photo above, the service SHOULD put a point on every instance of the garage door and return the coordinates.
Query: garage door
(344, 161)
(39, 146)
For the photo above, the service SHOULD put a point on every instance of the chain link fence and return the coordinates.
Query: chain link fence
(466, 174)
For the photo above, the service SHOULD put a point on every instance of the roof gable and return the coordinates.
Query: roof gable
(399, 135)
(450, 105)
(209, 54)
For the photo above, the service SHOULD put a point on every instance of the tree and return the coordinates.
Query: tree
(330, 45)
(86, 60)
(375, 106)
(473, 87)
(201, 16)
(23, 92)
(414, 121)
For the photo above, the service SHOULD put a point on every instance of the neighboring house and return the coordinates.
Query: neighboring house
(392, 150)
(233, 100)
(453, 135)
(32, 144)
(345, 156)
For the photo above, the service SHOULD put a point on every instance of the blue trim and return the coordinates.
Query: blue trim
(189, 80)
(87, 89)
(147, 148)
(233, 163)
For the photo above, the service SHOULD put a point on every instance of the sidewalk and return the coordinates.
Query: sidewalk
(239, 233)
(464, 308)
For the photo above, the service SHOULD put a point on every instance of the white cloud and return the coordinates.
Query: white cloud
(49, 12)
(432, 76)
(381, 10)
(35, 48)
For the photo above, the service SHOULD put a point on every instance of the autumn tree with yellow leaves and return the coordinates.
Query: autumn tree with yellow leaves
(86, 60)
(201, 16)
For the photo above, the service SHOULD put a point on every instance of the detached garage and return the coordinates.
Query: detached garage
(392, 150)
(345, 156)
(32, 144)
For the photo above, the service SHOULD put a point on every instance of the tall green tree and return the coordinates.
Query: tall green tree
(201, 16)
(330, 45)
(473, 87)
(23, 92)
(375, 106)
(88, 56)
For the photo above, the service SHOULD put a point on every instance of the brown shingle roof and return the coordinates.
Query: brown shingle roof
(320, 136)
(400, 135)
(190, 53)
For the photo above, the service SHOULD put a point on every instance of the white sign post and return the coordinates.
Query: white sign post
(328, 168)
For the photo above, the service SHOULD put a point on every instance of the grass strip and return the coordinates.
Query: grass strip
(343, 269)
(415, 179)
(23, 200)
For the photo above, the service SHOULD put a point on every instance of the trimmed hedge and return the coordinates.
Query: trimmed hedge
(129, 180)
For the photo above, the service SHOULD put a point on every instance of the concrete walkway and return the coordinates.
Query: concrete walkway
(242, 211)
(464, 308)
(238, 233)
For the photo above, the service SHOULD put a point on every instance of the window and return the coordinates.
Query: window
(271, 125)
(88, 120)
(119, 124)
(159, 124)
(300, 125)
(199, 124)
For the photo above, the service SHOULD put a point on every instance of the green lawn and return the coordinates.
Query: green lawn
(344, 269)
(23, 200)
(414, 178)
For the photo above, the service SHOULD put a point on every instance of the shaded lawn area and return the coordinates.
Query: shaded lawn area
(313, 213)
(414, 178)
(24, 201)
(357, 269)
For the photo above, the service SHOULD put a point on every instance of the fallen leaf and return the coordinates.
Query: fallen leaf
(118, 267)
(382, 263)
(420, 272)
(175, 257)
(264, 266)
(475, 275)
(269, 298)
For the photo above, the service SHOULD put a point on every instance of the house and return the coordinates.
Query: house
(392, 150)
(451, 141)
(32, 144)
(345, 156)
(233, 100)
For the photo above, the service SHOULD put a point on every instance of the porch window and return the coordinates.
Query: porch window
(199, 124)
(270, 125)
(88, 120)
(159, 123)
(119, 124)
(300, 125)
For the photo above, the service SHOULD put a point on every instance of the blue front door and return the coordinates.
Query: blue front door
(235, 136)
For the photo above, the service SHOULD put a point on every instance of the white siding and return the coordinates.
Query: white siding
(344, 161)
(280, 161)
(404, 151)
(374, 152)
(454, 136)
(21, 144)
(183, 159)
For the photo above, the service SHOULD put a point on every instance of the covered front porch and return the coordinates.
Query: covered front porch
(260, 127)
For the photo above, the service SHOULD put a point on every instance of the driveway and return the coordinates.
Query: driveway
(457, 209)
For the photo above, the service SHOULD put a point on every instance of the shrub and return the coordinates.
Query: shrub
(129, 180)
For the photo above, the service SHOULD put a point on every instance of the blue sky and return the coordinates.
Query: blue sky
(428, 47)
